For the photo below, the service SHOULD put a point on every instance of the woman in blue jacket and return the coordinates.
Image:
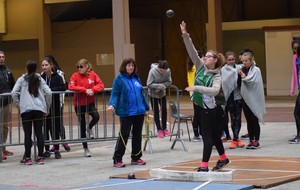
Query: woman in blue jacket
(129, 103)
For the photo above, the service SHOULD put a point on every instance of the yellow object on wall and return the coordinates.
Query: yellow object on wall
(2, 17)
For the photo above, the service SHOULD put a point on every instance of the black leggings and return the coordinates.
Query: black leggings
(36, 118)
(81, 111)
(297, 114)
(197, 120)
(53, 126)
(234, 108)
(253, 126)
(155, 102)
(210, 133)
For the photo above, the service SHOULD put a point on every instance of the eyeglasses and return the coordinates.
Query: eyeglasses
(79, 67)
(209, 56)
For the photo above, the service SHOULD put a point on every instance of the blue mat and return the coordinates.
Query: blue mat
(134, 184)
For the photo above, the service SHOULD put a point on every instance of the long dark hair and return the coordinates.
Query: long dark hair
(32, 79)
(53, 60)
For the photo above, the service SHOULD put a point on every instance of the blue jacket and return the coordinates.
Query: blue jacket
(128, 103)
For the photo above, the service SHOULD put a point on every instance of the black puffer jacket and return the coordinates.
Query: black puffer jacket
(7, 83)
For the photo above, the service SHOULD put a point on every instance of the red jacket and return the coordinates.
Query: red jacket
(80, 83)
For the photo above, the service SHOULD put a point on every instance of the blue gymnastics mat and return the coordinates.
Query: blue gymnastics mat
(151, 184)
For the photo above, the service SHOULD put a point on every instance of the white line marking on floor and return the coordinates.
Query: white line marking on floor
(116, 184)
(202, 185)
(266, 178)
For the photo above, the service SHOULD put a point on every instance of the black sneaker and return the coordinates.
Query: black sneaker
(57, 154)
(295, 140)
(202, 169)
(47, 154)
(245, 136)
(249, 146)
(221, 164)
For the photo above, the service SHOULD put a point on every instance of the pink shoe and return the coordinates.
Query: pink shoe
(166, 132)
(119, 165)
(160, 134)
(138, 162)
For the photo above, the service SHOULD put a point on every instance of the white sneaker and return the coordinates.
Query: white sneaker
(89, 133)
(197, 139)
(87, 152)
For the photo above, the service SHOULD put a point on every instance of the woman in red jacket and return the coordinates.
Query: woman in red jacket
(86, 83)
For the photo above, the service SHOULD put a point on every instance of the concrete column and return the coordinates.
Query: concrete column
(121, 33)
(214, 29)
(44, 30)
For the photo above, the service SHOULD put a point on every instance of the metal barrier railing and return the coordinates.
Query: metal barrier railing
(104, 130)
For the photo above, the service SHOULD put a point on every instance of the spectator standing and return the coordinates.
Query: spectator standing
(253, 102)
(7, 83)
(86, 83)
(159, 78)
(32, 97)
(295, 84)
(62, 131)
(233, 97)
(128, 101)
(53, 123)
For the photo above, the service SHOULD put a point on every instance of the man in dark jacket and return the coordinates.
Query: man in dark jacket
(7, 83)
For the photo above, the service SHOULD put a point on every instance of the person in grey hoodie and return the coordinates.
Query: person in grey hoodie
(159, 78)
(33, 98)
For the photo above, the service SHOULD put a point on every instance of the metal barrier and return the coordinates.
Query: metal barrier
(106, 128)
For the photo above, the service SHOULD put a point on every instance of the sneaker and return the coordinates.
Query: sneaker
(119, 165)
(228, 138)
(89, 133)
(52, 149)
(7, 153)
(233, 145)
(160, 134)
(295, 140)
(66, 147)
(197, 139)
(166, 132)
(202, 169)
(240, 144)
(47, 154)
(40, 160)
(255, 145)
(245, 136)
(87, 152)
(249, 146)
(4, 157)
(57, 154)
(221, 164)
(26, 161)
(138, 162)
